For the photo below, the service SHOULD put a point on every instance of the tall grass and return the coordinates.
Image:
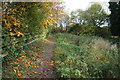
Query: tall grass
(85, 57)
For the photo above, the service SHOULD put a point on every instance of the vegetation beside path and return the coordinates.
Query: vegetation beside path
(79, 44)
(85, 57)
(34, 62)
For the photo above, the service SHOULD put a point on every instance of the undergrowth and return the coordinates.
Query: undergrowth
(85, 57)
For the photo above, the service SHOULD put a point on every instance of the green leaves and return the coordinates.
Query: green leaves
(84, 57)
(93, 16)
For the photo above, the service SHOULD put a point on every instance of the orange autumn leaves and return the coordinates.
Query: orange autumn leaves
(11, 22)
(22, 65)
(20, 73)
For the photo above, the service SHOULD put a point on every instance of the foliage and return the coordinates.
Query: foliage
(63, 19)
(23, 22)
(56, 30)
(75, 16)
(85, 57)
(84, 30)
(74, 29)
(103, 32)
(93, 16)
(24, 66)
(89, 22)
(115, 18)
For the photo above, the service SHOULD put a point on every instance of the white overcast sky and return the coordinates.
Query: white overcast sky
(84, 4)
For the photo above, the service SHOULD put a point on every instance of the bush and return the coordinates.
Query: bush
(84, 30)
(85, 57)
(103, 32)
(87, 31)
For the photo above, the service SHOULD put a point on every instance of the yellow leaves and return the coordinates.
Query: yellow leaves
(27, 65)
(11, 33)
(14, 69)
(48, 22)
(10, 20)
(35, 72)
(16, 23)
(19, 33)
(19, 73)
(24, 64)
(36, 55)
(23, 56)
(11, 11)
(26, 25)
(16, 63)
(51, 64)
(34, 66)
(8, 24)
(39, 53)
(23, 9)
(4, 20)
(15, 20)
(20, 59)
(52, 61)
(30, 75)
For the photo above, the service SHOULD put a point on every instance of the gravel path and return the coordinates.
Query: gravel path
(46, 62)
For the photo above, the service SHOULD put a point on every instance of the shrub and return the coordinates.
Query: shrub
(85, 57)
(84, 30)
(103, 32)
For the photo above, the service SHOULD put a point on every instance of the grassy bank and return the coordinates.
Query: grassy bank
(85, 57)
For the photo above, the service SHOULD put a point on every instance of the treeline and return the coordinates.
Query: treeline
(93, 21)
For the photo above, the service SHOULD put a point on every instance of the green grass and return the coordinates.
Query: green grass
(85, 57)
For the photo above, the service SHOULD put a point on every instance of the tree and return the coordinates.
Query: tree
(115, 18)
(24, 21)
(75, 16)
(90, 21)
(63, 20)
(93, 16)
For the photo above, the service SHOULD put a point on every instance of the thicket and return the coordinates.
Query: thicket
(86, 57)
